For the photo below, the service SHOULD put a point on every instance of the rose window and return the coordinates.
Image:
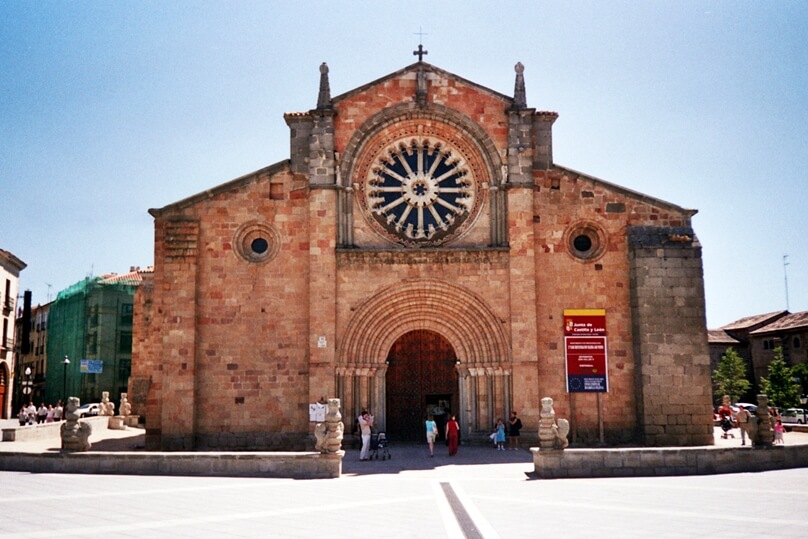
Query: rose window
(420, 190)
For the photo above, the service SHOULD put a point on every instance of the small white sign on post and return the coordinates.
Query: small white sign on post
(317, 412)
(321, 342)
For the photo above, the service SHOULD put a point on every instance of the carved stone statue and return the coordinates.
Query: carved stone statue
(75, 435)
(107, 407)
(126, 408)
(760, 425)
(329, 434)
(552, 434)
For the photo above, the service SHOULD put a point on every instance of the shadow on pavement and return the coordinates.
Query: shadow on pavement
(414, 457)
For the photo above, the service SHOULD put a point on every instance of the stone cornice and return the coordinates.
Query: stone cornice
(374, 257)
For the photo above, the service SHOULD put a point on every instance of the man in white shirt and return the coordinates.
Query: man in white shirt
(41, 413)
(31, 411)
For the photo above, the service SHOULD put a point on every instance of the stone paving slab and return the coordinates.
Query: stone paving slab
(500, 500)
(407, 496)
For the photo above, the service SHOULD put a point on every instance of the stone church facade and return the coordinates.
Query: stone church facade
(414, 255)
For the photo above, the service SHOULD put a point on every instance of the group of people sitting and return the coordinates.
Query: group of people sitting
(30, 414)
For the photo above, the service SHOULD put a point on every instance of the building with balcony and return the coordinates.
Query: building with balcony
(10, 268)
(32, 339)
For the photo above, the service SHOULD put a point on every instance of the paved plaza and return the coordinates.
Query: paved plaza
(479, 493)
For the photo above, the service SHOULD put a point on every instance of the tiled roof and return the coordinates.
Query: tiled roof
(750, 321)
(788, 322)
(134, 276)
(719, 336)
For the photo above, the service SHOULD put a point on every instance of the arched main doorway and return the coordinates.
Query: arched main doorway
(421, 379)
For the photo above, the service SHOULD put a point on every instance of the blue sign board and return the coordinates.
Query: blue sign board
(92, 366)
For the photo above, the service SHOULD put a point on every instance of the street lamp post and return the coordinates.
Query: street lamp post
(65, 363)
(27, 385)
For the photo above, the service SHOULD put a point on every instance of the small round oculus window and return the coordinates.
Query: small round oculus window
(256, 242)
(586, 241)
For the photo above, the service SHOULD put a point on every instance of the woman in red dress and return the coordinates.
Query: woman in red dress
(452, 435)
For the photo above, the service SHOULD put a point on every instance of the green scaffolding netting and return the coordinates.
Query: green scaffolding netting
(90, 324)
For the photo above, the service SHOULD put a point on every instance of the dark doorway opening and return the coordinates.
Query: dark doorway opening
(421, 380)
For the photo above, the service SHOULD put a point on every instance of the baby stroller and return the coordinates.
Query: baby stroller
(378, 447)
(726, 426)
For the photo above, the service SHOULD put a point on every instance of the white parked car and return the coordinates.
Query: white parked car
(88, 409)
(749, 407)
(793, 415)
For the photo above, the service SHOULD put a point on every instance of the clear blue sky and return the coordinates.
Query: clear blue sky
(111, 108)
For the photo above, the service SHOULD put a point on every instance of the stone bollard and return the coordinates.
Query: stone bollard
(118, 422)
(329, 434)
(552, 435)
(75, 435)
(760, 426)
(126, 408)
(129, 420)
(107, 407)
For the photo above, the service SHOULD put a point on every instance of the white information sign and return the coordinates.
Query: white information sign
(317, 412)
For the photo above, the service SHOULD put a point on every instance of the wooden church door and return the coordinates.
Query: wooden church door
(421, 380)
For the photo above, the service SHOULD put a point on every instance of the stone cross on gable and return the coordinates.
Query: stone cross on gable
(420, 53)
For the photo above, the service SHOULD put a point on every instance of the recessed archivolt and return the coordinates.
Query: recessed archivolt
(454, 126)
(474, 331)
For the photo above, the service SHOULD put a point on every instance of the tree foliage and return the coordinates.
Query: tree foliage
(729, 377)
(779, 386)
(801, 371)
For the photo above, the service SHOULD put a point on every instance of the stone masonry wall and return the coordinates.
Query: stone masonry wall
(252, 325)
(522, 299)
(227, 335)
(143, 350)
(176, 260)
(564, 201)
(674, 389)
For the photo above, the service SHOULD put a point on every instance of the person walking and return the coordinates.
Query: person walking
(453, 435)
(514, 426)
(58, 412)
(742, 417)
(365, 423)
(431, 434)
